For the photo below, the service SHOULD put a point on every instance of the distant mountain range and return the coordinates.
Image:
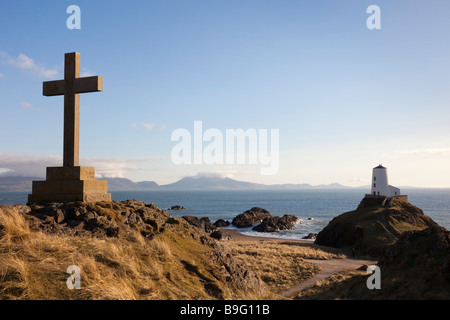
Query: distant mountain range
(188, 183)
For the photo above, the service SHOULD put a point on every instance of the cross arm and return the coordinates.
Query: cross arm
(88, 84)
(81, 85)
(53, 88)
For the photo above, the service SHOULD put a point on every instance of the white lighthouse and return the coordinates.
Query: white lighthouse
(380, 183)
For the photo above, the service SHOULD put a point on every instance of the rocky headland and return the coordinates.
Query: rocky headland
(412, 250)
(373, 226)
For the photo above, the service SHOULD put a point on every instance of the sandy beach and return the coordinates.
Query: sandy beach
(237, 236)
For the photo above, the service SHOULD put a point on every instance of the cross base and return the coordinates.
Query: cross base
(70, 184)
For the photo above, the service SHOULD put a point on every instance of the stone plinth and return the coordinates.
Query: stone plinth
(70, 184)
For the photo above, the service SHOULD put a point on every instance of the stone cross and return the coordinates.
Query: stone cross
(71, 87)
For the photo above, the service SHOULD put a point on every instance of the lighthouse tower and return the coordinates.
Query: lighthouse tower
(380, 183)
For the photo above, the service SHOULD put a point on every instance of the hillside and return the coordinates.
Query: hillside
(416, 267)
(413, 253)
(8, 183)
(372, 227)
(126, 250)
(199, 182)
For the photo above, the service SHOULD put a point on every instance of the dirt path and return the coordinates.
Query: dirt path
(329, 267)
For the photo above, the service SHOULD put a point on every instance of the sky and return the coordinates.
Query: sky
(343, 98)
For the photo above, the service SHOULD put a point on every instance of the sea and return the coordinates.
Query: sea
(315, 208)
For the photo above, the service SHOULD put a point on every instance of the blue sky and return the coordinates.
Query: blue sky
(344, 98)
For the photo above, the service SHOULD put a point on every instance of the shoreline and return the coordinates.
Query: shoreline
(237, 236)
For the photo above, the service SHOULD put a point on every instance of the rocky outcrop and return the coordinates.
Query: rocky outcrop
(220, 235)
(372, 227)
(418, 244)
(417, 266)
(201, 223)
(310, 236)
(177, 208)
(102, 219)
(250, 217)
(220, 223)
(371, 201)
(276, 224)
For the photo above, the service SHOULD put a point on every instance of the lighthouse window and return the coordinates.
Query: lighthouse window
(374, 178)
(374, 185)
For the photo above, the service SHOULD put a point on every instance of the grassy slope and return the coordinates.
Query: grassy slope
(280, 264)
(172, 265)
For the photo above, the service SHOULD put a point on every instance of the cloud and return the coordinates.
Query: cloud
(29, 106)
(427, 152)
(28, 166)
(34, 166)
(149, 126)
(213, 174)
(109, 167)
(26, 63)
(26, 105)
(86, 73)
(358, 180)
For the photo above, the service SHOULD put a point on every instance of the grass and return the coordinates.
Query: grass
(281, 265)
(349, 284)
(172, 265)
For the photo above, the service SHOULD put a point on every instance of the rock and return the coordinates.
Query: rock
(309, 219)
(311, 236)
(58, 215)
(419, 264)
(101, 219)
(220, 235)
(276, 224)
(372, 227)
(250, 217)
(411, 244)
(202, 223)
(364, 267)
(177, 208)
(221, 223)
(372, 201)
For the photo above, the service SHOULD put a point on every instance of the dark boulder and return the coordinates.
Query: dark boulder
(220, 235)
(177, 208)
(221, 223)
(250, 217)
(310, 236)
(202, 223)
(276, 224)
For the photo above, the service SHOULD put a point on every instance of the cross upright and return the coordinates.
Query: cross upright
(71, 87)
